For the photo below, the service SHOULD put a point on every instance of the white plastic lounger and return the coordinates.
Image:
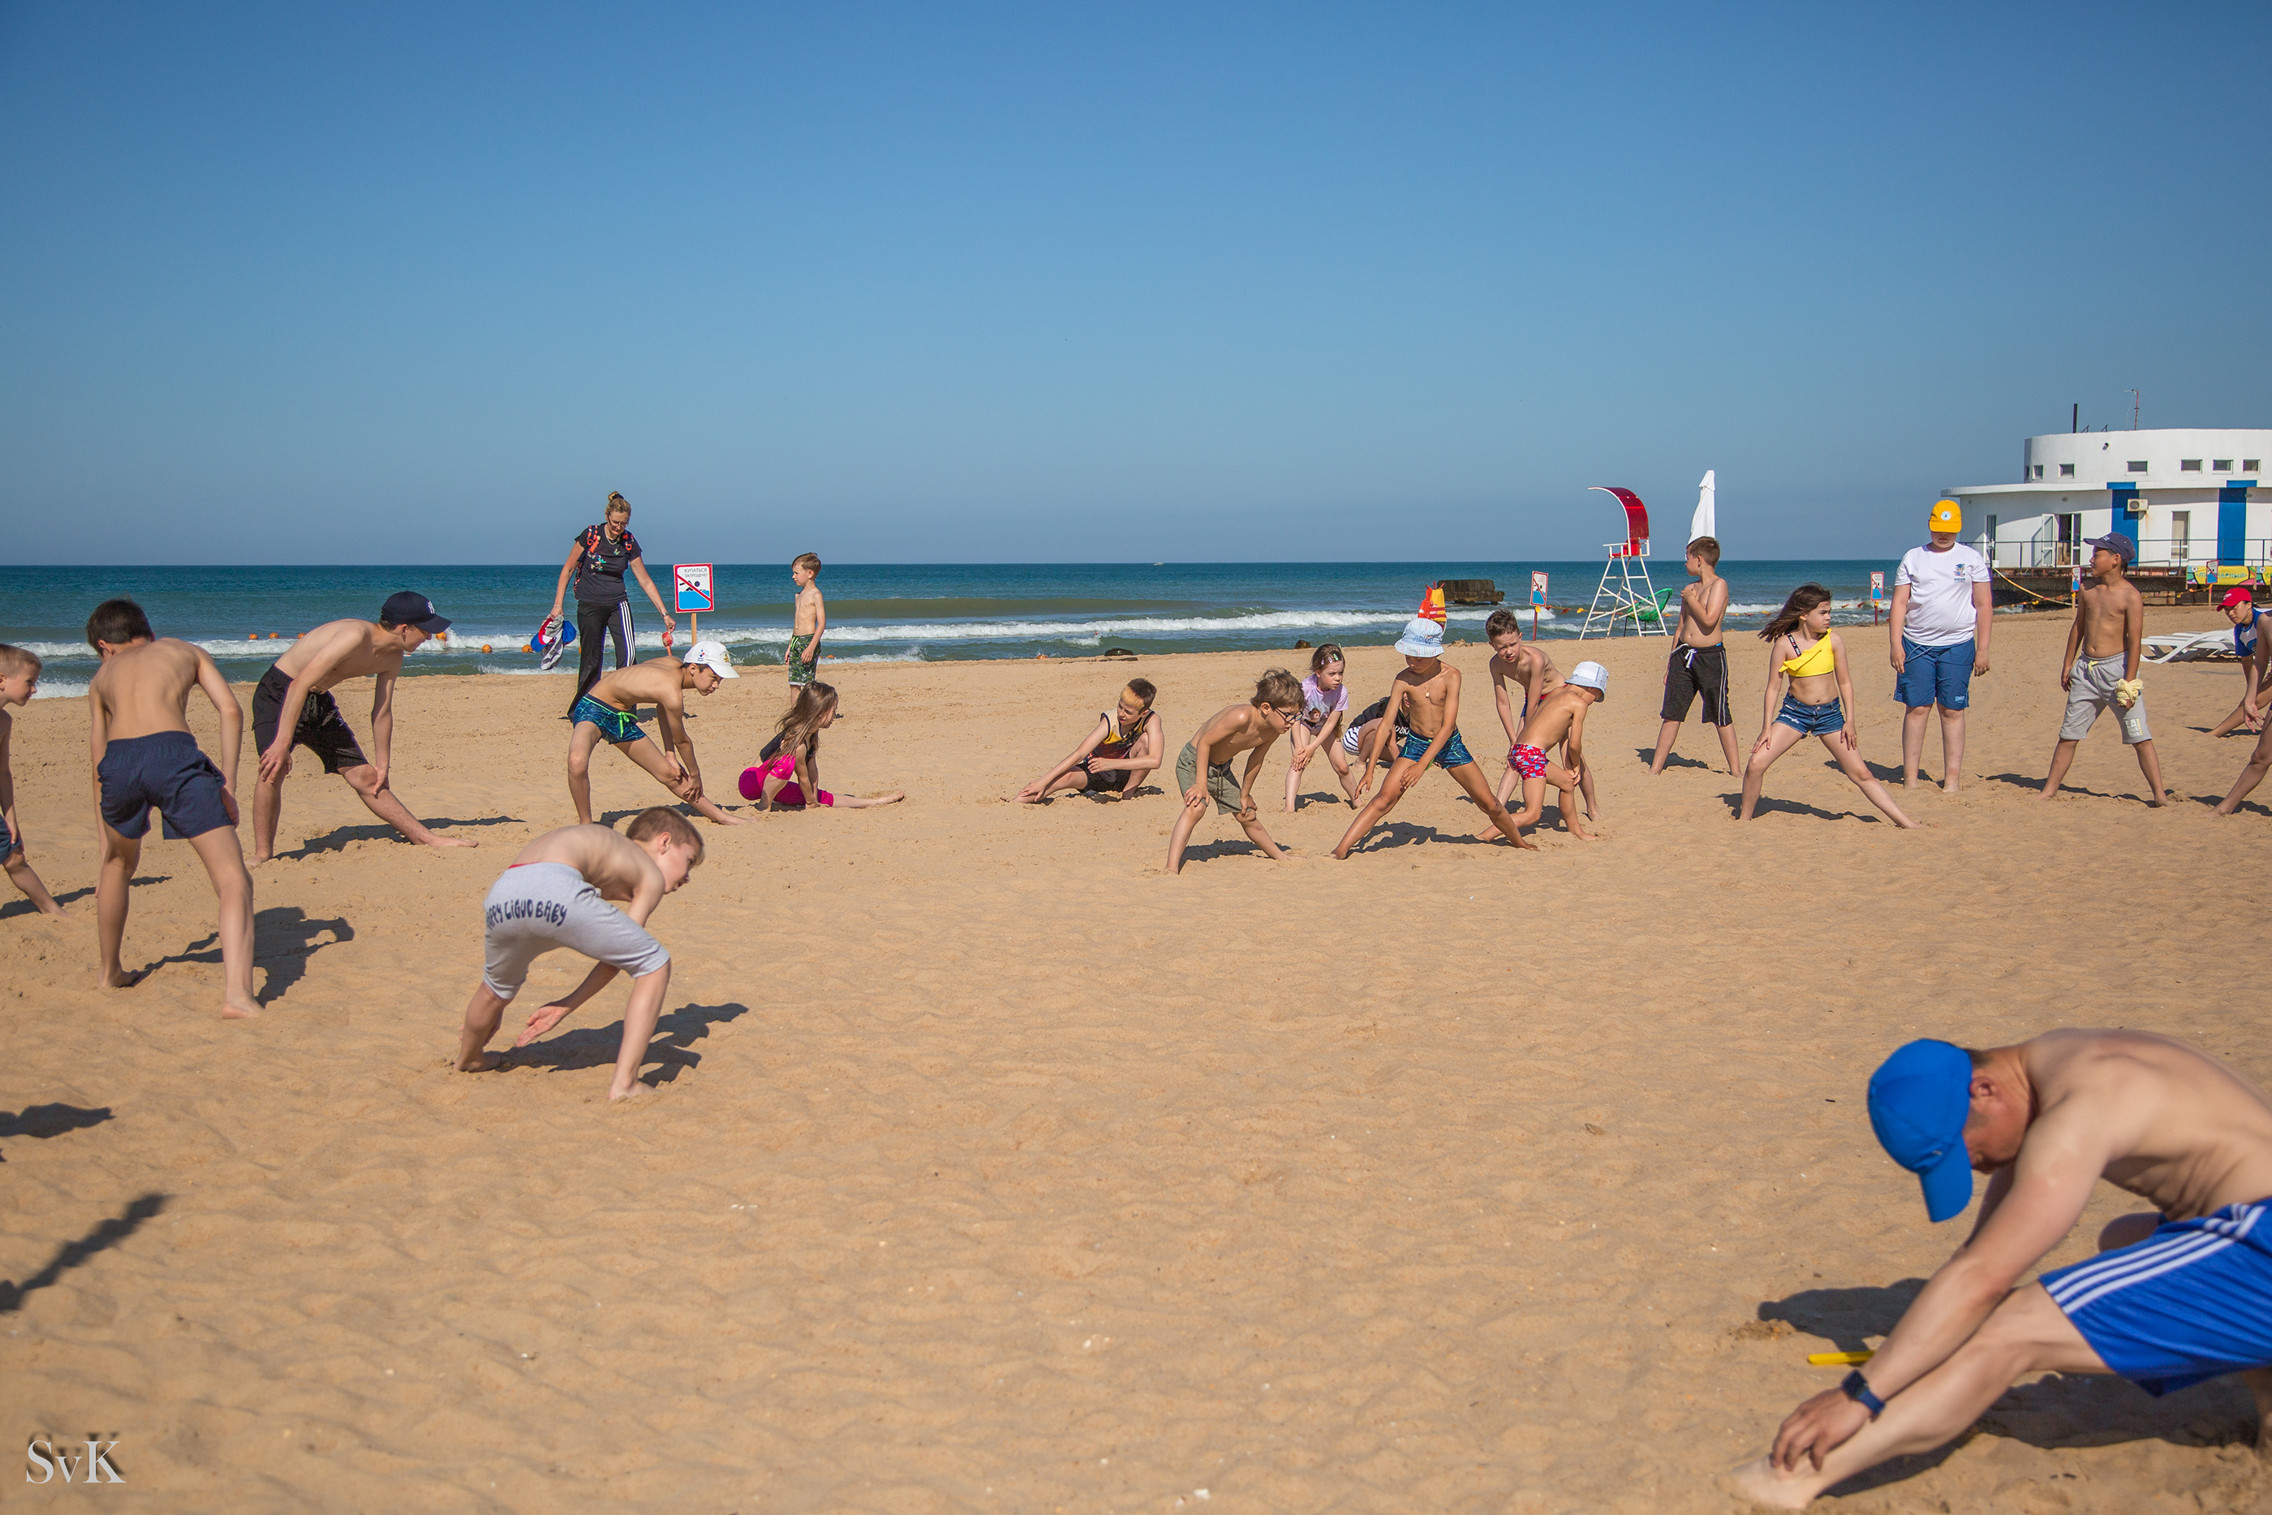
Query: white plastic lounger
(2183, 647)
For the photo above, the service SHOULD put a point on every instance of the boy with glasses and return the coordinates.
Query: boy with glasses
(1249, 728)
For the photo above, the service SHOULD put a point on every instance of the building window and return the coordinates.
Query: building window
(2222, 465)
(2039, 470)
(2136, 467)
(2250, 465)
(2189, 465)
(2066, 470)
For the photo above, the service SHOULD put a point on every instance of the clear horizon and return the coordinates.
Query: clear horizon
(1007, 285)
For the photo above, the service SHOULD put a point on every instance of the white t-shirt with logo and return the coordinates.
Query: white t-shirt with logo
(1940, 594)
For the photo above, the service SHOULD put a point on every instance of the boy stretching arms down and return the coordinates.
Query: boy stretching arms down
(607, 713)
(2110, 622)
(556, 894)
(144, 756)
(292, 707)
(1527, 664)
(1427, 694)
(1699, 664)
(1234, 729)
(1560, 717)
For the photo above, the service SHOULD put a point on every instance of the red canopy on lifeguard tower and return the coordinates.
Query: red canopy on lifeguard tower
(1636, 519)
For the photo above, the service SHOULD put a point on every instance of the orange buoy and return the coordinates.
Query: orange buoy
(484, 646)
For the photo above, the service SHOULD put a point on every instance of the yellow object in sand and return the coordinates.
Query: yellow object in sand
(1837, 1359)
(2127, 691)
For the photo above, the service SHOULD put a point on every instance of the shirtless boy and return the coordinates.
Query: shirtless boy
(1426, 694)
(2110, 620)
(2259, 761)
(1699, 662)
(802, 655)
(1123, 746)
(1534, 673)
(1560, 717)
(555, 895)
(19, 680)
(1204, 769)
(292, 707)
(607, 713)
(2176, 1295)
(145, 756)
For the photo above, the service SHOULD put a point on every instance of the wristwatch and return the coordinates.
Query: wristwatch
(1857, 1388)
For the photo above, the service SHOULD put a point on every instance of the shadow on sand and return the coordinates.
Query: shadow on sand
(676, 1032)
(74, 1253)
(42, 1121)
(15, 908)
(336, 839)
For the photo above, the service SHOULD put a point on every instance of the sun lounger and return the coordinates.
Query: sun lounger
(2184, 647)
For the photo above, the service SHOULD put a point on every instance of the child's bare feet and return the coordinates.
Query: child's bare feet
(119, 978)
(240, 1007)
(1759, 1482)
(637, 1088)
(483, 1062)
(542, 1020)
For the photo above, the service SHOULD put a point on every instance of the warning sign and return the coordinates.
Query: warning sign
(693, 582)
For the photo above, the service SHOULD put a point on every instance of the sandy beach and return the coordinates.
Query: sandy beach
(991, 1168)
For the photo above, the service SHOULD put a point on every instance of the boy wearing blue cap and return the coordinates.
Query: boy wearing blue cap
(2100, 671)
(2175, 1296)
(292, 707)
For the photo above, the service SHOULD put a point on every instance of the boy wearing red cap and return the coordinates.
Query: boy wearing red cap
(2259, 654)
(2249, 623)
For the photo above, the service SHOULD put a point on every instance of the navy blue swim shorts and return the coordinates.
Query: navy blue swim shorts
(167, 770)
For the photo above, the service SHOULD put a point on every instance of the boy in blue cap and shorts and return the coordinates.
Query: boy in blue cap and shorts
(2178, 1294)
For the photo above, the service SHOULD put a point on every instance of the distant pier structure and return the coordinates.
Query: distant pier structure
(2189, 498)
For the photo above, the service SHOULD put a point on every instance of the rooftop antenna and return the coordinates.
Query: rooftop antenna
(2075, 417)
(2133, 410)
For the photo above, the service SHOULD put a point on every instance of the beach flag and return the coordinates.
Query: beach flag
(1432, 604)
(1705, 522)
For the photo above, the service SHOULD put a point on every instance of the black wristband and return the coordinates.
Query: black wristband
(1857, 1388)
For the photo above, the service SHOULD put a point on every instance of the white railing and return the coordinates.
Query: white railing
(2045, 550)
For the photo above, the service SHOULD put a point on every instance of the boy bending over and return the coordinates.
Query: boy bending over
(1427, 695)
(1120, 749)
(1533, 672)
(144, 756)
(1234, 729)
(1560, 717)
(555, 895)
(606, 713)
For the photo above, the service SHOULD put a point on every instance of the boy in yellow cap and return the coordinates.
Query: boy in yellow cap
(1942, 611)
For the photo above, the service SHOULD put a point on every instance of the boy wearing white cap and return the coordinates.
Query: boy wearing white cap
(1559, 717)
(1426, 697)
(606, 713)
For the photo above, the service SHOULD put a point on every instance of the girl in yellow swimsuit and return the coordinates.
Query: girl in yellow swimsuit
(1807, 657)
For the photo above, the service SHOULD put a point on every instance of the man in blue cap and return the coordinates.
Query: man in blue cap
(292, 707)
(2175, 1296)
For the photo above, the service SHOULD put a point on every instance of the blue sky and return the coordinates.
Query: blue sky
(1082, 282)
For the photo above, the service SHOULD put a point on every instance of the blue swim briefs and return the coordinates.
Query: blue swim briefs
(1935, 675)
(2190, 1302)
(1454, 751)
(618, 726)
(1813, 720)
(167, 770)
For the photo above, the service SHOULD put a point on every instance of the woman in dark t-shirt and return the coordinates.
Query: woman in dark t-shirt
(597, 561)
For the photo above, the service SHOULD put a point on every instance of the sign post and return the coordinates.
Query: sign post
(1537, 598)
(1877, 593)
(692, 582)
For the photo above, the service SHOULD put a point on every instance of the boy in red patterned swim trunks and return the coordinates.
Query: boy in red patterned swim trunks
(1558, 716)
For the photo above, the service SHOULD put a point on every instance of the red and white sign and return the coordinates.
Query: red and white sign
(1538, 586)
(692, 581)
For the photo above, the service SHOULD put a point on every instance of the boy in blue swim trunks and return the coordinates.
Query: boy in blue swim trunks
(19, 678)
(2176, 1295)
(607, 714)
(144, 757)
(1426, 695)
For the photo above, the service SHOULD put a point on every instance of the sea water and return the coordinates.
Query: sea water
(877, 612)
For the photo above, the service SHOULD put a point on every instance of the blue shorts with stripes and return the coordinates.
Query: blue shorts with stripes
(2190, 1302)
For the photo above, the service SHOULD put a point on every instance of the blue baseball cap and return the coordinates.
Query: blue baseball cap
(1919, 1099)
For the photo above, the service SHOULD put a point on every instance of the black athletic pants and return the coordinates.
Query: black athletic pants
(592, 623)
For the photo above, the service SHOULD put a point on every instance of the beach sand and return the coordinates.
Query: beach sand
(991, 1168)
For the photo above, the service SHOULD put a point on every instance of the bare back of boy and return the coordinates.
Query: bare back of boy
(339, 651)
(1558, 718)
(619, 868)
(144, 690)
(659, 682)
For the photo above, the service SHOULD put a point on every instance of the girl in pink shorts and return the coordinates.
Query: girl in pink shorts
(788, 767)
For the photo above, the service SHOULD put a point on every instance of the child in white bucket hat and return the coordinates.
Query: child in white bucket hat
(1559, 716)
(1426, 697)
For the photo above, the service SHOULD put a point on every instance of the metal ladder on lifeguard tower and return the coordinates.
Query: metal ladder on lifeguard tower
(1625, 593)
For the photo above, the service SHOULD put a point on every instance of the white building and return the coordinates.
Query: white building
(2185, 497)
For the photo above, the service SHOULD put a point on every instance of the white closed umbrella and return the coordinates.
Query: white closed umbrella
(1705, 522)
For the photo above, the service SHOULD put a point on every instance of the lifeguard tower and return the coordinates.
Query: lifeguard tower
(1626, 597)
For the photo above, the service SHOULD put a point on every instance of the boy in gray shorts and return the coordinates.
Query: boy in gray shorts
(555, 895)
(2099, 670)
